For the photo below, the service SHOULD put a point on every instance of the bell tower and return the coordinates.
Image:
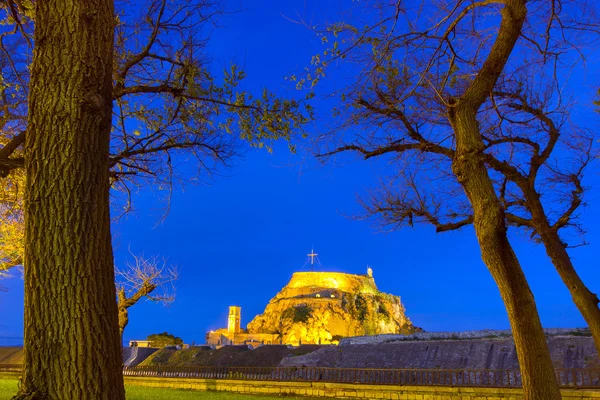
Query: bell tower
(235, 315)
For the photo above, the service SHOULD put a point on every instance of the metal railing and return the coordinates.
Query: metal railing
(567, 378)
(11, 367)
(573, 378)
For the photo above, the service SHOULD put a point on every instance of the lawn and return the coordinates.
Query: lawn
(9, 387)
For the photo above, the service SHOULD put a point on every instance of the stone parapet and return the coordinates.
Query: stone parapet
(334, 280)
(350, 391)
(464, 335)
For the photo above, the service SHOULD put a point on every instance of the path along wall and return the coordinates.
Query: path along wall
(350, 391)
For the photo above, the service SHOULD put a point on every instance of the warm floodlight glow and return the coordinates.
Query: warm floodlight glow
(291, 317)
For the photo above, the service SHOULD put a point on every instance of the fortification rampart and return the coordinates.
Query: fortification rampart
(464, 335)
(133, 356)
(492, 353)
(334, 280)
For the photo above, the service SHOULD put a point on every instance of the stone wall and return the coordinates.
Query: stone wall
(133, 356)
(492, 353)
(464, 335)
(350, 391)
(343, 390)
(334, 280)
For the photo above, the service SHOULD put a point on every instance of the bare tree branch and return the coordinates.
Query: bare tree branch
(141, 279)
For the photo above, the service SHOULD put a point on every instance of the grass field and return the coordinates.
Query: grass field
(8, 388)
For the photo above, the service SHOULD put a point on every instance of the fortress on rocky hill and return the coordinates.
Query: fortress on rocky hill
(319, 308)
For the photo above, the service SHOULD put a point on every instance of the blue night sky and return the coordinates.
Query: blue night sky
(238, 239)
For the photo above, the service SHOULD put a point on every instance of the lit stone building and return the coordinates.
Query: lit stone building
(234, 335)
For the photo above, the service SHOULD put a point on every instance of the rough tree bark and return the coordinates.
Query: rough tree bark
(71, 329)
(539, 382)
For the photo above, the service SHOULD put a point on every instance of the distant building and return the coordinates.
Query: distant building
(140, 343)
(234, 335)
(233, 322)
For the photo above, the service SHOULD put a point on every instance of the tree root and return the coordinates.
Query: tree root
(29, 396)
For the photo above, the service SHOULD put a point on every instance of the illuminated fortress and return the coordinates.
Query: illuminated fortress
(306, 282)
(319, 308)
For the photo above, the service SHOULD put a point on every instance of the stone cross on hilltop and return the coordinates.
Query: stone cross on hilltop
(312, 258)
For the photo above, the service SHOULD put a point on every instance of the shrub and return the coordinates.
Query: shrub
(164, 339)
(361, 307)
(299, 313)
(302, 313)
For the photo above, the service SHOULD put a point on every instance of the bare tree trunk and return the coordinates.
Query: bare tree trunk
(71, 330)
(123, 304)
(123, 321)
(537, 372)
(584, 299)
(539, 382)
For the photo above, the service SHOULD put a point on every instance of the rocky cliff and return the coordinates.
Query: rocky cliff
(324, 307)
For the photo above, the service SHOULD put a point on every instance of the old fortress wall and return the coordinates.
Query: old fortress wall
(333, 280)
